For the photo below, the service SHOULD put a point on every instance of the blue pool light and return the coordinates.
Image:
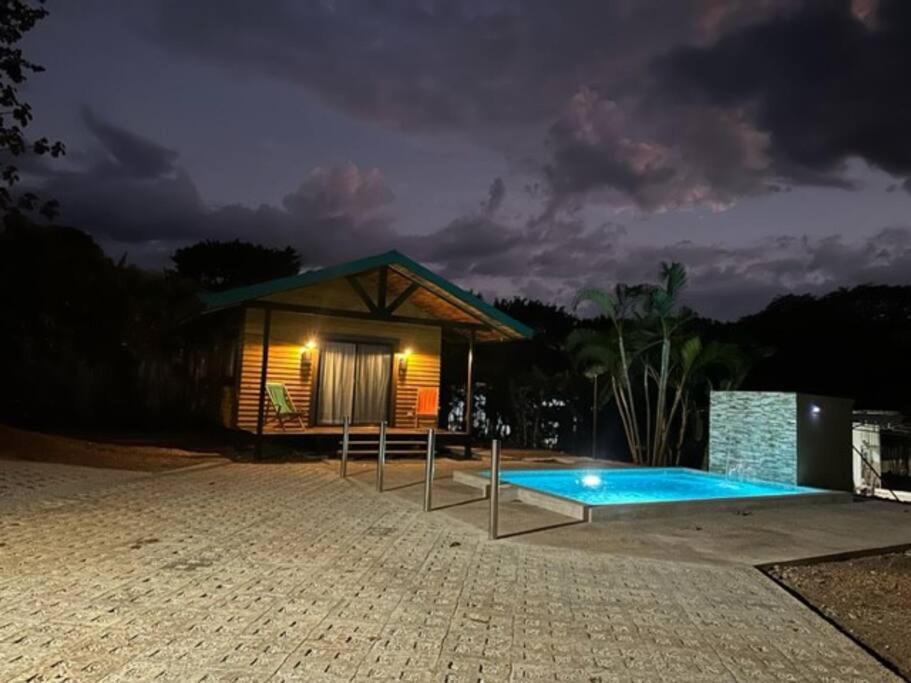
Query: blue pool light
(591, 480)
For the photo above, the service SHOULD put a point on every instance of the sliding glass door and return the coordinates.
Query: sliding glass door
(354, 380)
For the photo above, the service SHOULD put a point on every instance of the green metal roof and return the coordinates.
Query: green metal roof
(239, 295)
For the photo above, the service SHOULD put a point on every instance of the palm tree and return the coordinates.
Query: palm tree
(646, 341)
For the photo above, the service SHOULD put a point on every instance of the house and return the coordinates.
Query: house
(361, 340)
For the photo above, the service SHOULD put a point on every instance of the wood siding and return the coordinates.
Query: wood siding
(297, 369)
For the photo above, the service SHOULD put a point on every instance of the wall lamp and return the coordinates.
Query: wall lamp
(403, 360)
(307, 351)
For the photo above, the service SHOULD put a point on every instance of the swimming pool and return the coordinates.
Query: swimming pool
(637, 485)
(595, 494)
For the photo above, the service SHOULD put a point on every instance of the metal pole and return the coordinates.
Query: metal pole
(494, 489)
(595, 417)
(428, 471)
(381, 457)
(469, 386)
(346, 435)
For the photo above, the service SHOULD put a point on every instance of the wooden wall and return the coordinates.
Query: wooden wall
(290, 364)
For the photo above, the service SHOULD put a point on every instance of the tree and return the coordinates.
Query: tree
(221, 265)
(658, 372)
(17, 18)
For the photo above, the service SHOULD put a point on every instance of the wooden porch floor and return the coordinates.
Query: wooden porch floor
(359, 431)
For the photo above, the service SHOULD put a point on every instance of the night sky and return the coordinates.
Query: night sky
(517, 147)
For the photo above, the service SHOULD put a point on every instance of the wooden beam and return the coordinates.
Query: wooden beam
(364, 315)
(362, 293)
(402, 298)
(263, 375)
(381, 289)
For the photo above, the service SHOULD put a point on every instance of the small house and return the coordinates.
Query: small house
(360, 341)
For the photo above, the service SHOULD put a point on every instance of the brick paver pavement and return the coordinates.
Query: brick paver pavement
(283, 572)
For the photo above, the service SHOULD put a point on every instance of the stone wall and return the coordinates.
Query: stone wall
(753, 434)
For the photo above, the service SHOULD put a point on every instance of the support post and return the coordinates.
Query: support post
(346, 437)
(263, 375)
(595, 417)
(469, 395)
(381, 457)
(494, 526)
(428, 470)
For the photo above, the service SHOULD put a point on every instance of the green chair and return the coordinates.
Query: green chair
(283, 405)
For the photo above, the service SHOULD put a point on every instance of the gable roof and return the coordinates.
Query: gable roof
(475, 306)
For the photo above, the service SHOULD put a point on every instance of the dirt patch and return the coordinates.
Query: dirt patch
(19, 444)
(868, 597)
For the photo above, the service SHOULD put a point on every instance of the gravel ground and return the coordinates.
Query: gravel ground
(868, 597)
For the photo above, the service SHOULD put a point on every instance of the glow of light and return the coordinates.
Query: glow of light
(591, 480)
(309, 346)
(815, 410)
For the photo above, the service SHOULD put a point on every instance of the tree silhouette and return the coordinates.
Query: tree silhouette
(17, 18)
(221, 265)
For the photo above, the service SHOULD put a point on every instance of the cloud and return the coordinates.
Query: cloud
(724, 282)
(131, 192)
(648, 105)
(151, 206)
(511, 75)
(126, 153)
(823, 83)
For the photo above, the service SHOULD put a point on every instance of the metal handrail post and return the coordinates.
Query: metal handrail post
(346, 437)
(428, 471)
(494, 490)
(381, 457)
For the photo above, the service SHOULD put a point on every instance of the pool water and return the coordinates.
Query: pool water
(644, 485)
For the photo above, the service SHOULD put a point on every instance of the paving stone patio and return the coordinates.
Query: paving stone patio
(283, 572)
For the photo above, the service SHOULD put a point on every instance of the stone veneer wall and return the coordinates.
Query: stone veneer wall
(753, 434)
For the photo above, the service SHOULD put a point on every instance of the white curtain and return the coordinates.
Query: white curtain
(336, 382)
(371, 396)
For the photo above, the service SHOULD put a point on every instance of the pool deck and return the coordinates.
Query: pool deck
(754, 536)
(284, 572)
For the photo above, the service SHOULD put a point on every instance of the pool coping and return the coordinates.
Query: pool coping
(593, 513)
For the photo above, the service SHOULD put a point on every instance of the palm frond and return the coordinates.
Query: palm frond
(605, 301)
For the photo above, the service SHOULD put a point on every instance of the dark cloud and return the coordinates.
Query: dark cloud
(825, 83)
(494, 197)
(432, 64)
(132, 192)
(651, 104)
(126, 153)
(343, 212)
(507, 73)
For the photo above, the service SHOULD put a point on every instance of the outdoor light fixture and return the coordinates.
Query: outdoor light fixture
(307, 350)
(403, 360)
(815, 410)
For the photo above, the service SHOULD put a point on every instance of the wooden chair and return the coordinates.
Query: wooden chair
(282, 404)
(428, 401)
